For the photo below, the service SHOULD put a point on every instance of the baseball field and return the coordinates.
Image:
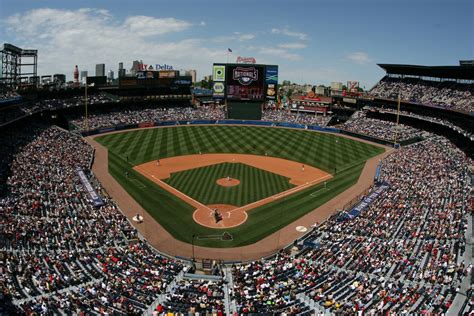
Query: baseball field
(282, 173)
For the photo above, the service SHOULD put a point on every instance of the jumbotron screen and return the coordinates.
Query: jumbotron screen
(245, 82)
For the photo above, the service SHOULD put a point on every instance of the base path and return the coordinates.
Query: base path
(295, 171)
(300, 175)
(162, 240)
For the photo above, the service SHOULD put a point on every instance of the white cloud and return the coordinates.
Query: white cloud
(244, 37)
(84, 37)
(237, 36)
(360, 58)
(287, 32)
(274, 51)
(292, 45)
(147, 25)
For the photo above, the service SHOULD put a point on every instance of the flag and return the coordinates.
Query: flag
(229, 50)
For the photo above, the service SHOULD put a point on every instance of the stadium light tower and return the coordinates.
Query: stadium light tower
(398, 120)
(85, 101)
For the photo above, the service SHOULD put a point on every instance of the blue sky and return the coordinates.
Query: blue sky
(312, 41)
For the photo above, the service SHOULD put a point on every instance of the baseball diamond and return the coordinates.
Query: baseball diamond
(342, 159)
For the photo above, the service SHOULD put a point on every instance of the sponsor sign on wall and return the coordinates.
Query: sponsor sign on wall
(167, 74)
(271, 74)
(218, 90)
(218, 73)
(271, 91)
(271, 82)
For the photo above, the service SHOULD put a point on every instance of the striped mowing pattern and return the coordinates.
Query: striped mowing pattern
(255, 184)
(324, 151)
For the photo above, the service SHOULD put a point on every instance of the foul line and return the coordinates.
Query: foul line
(176, 192)
(281, 195)
(244, 208)
(313, 193)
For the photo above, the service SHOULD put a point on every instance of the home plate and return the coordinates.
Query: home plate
(301, 229)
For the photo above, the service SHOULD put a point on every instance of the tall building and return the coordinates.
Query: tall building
(121, 70)
(110, 75)
(100, 70)
(136, 66)
(192, 73)
(83, 76)
(76, 76)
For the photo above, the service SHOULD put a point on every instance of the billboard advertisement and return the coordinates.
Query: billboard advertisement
(271, 82)
(271, 74)
(218, 73)
(245, 82)
(167, 74)
(218, 90)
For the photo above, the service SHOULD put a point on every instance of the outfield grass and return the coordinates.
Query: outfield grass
(325, 151)
(255, 184)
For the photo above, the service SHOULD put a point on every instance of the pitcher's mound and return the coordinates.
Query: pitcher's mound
(227, 218)
(228, 182)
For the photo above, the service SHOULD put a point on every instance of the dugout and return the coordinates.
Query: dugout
(241, 110)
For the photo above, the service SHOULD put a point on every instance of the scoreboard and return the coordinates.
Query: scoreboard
(245, 82)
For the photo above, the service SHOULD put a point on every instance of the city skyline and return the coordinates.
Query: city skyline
(314, 43)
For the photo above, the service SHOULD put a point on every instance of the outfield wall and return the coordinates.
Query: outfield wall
(208, 122)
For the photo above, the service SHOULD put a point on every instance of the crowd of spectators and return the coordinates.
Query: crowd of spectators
(385, 130)
(448, 94)
(58, 252)
(426, 118)
(402, 254)
(195, 296)
(138, 114)
(27, 108)
(7, 94)
(274, 115)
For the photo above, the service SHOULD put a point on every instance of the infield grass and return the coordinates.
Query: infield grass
(342, 157)
(255, 184)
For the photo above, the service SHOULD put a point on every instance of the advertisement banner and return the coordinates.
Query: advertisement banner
(146, 124)
(271, 91)
(271, 75)
(218, 90)
(218, 73)
(96, 199)
(166, 74)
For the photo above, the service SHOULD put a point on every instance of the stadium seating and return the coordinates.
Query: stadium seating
(448, 94)
(404, 253)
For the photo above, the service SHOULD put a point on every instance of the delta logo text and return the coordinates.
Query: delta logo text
(245, 76)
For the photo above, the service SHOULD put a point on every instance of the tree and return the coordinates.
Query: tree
(289, 93)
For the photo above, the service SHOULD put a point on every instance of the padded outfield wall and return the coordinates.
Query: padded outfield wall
(244, 110)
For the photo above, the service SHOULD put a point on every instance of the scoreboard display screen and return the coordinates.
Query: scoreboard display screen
(245, 82)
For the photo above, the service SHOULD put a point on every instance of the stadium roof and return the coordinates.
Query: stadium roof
(451, 72)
